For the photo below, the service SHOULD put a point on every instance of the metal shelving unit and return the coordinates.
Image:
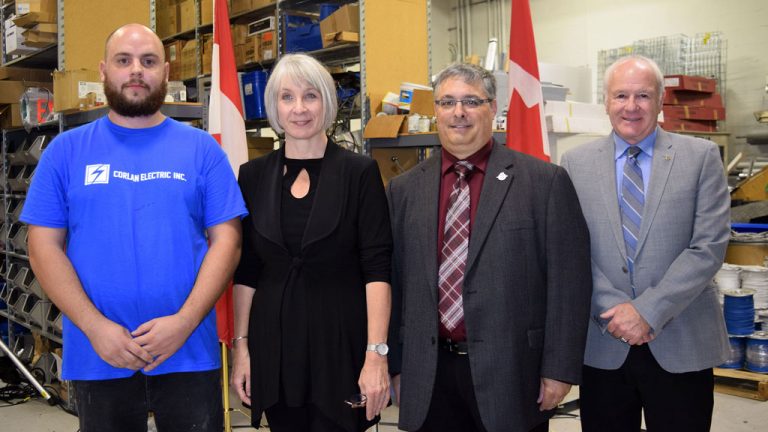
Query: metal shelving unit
(26, 302)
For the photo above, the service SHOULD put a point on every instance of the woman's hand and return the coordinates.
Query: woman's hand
(374, 383)
(241, 371)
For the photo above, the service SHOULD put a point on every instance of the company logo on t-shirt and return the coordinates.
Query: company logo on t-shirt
(96, 174)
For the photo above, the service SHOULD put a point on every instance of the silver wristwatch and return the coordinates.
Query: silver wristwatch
(379, 348)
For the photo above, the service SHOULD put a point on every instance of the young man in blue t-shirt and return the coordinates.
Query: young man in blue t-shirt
(134, 232)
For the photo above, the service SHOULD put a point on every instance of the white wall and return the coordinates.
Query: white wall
(571, 33)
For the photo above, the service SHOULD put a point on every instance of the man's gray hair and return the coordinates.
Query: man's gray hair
(642, 59)
(470, 74)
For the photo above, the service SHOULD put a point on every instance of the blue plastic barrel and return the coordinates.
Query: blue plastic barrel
(254, 84)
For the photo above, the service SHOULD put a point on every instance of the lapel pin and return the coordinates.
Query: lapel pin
(667, 157)
(502, 176)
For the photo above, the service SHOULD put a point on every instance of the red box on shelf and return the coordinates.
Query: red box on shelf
(676, 125)
(689, 82)
(693, 113)
(688, 98)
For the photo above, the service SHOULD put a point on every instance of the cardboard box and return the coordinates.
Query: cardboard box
(565, 124)
(10, 116)
(332, 39)
(240, 6)
(682, 97)
(186, 12)
(344, 19)
(173, 57)
(33, 18)
(189, 60)
(31, 12)
(27, 6)
(206, 12)
(678, 125)
(423, 102)
(14, 40)
(11, 91)
(268, 46)
(692, 113)
(207, 54)
(260, 26)
(75, 89)
(386, 126)
(688, 82)
(15, 73)
(251, 50)
(746, 253)
(166, 18)
(38, 39)
(265, 143)
(406, 158)
(256, 153)
(575, 109)
(239, 33)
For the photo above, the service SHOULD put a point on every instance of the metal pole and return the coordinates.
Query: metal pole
(25, 372)
(225, 388)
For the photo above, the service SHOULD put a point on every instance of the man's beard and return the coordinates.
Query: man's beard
(128, 108)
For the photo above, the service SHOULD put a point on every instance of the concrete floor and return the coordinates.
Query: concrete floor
(732, 414)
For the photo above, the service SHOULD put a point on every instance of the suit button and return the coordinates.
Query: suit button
(433, 340)
(624, 269)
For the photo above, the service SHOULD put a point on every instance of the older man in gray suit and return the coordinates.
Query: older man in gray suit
(657, 206)
(491, 263)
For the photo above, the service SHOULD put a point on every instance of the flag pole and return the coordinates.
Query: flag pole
(225, 388)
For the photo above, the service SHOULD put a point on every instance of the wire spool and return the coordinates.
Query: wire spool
(739, 312)
(738, 352)
(757, 352)
(727, 279)
(756, 278)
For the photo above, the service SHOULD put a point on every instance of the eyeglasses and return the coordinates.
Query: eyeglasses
(471, 103)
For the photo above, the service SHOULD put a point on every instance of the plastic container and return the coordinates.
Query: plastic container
(254, 85)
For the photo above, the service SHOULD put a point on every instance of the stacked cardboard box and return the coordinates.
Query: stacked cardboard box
(31, 27)
(255, 48)
(240, 6)
(13, 83)
(341, 26)
(173, 57)
(178, 16)
(189, 60)
(691, 103)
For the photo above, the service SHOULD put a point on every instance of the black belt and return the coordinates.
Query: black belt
(460, 348)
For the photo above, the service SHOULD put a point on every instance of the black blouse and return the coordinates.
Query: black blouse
(308, 322)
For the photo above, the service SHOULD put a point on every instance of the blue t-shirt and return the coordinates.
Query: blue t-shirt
(135, 204)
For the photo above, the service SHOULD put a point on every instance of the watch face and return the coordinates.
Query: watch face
(382, 349)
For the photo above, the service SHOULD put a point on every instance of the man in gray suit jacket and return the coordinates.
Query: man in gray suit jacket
(659, 226)
(494, 303)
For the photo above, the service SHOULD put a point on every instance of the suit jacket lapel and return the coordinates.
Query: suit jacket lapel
(663, 157)
(329, 198)
(268, 195)
(492, 195)
(605, 167)
(428, 197)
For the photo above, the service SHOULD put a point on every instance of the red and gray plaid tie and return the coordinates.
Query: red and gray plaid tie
(454, 252)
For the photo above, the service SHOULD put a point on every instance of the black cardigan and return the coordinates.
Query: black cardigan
(347, 243)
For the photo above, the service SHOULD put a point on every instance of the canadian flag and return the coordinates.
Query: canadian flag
(526, 128)
(226, 124)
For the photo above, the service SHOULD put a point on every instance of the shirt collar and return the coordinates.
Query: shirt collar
(478, 159)
(646, 145)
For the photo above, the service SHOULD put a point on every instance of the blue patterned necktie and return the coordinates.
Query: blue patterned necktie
(632, 203)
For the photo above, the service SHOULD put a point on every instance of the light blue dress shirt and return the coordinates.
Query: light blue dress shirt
(644, 159)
